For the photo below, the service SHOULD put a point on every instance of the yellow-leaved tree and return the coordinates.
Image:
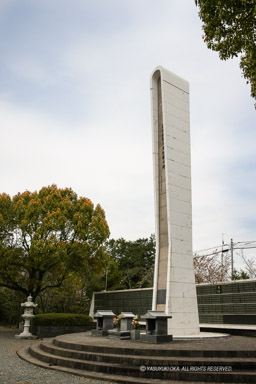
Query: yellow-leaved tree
(46, 235)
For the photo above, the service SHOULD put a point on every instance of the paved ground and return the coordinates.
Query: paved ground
(232, 343)
(13, 370)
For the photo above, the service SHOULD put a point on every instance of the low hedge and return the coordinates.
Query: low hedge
(61, 319)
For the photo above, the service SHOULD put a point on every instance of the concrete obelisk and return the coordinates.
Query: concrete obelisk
(174, 280)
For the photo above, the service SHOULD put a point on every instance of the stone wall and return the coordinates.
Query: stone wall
(137, 301)
(227, 303)
(223, 303)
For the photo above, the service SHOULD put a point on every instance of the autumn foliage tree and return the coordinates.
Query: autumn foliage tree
(46, 235)
(230, 28)
(212, 269)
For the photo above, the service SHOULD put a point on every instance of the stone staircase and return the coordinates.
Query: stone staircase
(136, 363)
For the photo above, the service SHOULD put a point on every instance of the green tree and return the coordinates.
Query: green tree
(10, 309)
(111, 274)
(240, 275)
(70, 297)
(135, 261)
(44, 235)
(230, 28)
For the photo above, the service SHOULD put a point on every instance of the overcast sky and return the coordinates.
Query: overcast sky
(75, 111)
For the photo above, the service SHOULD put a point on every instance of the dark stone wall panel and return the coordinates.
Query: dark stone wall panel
(217, 304)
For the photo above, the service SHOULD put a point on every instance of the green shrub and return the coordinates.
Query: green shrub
(61, 319)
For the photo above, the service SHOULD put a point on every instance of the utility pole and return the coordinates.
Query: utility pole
(222, 257)
(232, 258)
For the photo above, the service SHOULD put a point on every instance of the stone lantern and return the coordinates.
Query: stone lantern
(27, 316)
(104, 319)
(124, 332)
(126, 321)
(156, 327)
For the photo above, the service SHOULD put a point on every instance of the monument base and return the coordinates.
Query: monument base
(121, 335)
(201, 336)
(155, 339)
(99, 332)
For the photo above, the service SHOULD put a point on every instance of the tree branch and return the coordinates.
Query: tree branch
(54, 285)
(14, 287)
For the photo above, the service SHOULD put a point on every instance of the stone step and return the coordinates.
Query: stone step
(235, 363)
(157, 352)
(130, 371)
(23, 353)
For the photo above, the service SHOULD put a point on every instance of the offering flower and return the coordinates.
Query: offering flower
(135, 322)
(116, 321)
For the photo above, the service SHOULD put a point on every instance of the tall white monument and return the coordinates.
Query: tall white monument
(174, 280)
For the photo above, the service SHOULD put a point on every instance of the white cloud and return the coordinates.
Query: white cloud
(106, 153)
(92, 162)
(28, 68)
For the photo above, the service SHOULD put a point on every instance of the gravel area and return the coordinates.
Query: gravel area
(14, 370)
